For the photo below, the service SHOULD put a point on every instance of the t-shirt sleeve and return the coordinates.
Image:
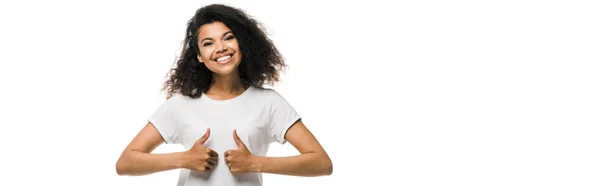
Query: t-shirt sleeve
(165, 122)
(283, 116)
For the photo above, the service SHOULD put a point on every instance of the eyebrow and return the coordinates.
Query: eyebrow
(208, 38)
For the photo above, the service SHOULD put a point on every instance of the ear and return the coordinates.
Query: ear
(200, 59)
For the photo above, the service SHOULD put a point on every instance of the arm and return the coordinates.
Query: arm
(312, 161)
(137, 159)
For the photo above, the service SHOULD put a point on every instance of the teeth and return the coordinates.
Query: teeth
(224, 58)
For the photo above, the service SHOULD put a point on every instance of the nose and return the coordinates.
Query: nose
(221, 47)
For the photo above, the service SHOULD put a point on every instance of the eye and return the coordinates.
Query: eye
(207, 44)
(229, 37)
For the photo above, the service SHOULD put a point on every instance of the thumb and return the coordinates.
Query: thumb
(204, 137)
(237, 140)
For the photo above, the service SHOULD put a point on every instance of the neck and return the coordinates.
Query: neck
(227, 84)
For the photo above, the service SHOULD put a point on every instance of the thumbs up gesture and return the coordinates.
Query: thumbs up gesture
(200, 158)
(241, 160)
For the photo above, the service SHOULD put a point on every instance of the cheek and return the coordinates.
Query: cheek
(205, 54)
(238, 53)
(234, 46)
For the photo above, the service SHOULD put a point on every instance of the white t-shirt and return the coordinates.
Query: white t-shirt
(261, 116)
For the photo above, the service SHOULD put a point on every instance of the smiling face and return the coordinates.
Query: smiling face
(219, 49)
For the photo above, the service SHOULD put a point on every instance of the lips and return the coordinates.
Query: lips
(224, 59)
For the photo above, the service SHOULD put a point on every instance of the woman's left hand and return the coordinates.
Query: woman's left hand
(240, 161)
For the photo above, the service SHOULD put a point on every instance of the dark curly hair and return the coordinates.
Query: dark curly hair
(260, 63)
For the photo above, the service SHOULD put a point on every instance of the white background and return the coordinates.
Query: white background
(412, 93)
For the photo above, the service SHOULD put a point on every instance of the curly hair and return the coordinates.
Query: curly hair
(260, 61)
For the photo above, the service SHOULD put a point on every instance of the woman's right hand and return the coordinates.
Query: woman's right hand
(200, 158)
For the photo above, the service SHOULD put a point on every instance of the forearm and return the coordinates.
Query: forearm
(307, 164)
(135, 163)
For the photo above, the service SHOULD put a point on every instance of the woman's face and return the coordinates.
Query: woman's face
(219, 49)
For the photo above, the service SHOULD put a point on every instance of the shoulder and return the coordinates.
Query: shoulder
(177, 99)
(272, 98)
(267, 94)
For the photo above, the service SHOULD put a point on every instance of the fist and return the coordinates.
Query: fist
(241, 160)
(200, 158)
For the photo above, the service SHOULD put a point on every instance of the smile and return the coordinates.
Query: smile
(224, 59)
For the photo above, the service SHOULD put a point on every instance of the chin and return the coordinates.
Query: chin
(223, 71)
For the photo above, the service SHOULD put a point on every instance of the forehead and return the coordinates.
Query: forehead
(212, 30)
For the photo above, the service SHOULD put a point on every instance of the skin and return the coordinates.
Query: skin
(215, 40)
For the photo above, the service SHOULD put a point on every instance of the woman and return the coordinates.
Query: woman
(218, 110)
